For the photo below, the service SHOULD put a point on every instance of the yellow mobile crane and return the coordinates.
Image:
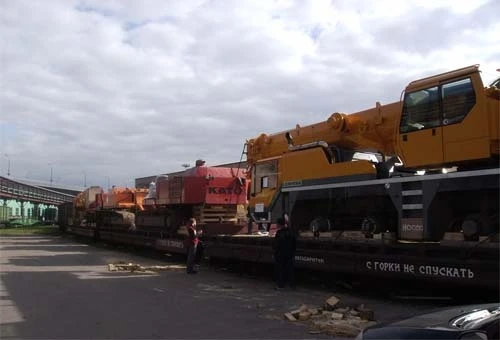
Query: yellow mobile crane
(363, 171)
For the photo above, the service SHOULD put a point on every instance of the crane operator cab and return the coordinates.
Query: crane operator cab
(446, 121)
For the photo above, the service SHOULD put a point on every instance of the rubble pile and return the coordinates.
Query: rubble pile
(333, 318)
(133, 267)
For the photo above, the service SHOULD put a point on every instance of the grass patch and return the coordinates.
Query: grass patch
(30, 230)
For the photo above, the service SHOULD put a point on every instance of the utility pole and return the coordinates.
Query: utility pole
(8, 165)
(50, 164)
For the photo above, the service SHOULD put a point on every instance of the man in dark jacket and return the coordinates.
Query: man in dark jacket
(284, 246)
(191, 243)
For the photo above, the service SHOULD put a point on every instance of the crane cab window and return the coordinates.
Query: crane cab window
(264, 182)
(420, 110)
(458, 99)
(439, 105)
(266, 176)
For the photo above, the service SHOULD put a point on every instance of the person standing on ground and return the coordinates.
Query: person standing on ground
(284, 246)
(249, 222)
(191, 243)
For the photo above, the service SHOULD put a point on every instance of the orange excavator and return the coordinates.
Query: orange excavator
(122, 198)
(118, 208)
(93, 208)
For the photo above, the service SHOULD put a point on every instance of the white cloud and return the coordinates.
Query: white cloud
(133, 88)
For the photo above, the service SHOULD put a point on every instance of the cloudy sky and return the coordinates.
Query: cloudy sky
(108, 91)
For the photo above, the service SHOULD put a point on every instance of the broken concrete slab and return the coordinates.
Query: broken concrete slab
(341, 310)
(337, 316)
(345, 321)
(322, 324)
(314, 311)
(331, 302)
(361, 324)
(133, 267)
(305, 315)
(301, 309)
(353, 312)
(343, 329)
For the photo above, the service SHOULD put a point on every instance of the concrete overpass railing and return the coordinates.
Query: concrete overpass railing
(12, 189)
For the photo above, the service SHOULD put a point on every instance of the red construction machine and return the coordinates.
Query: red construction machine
(215, 196)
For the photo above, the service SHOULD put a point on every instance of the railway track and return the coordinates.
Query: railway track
(413, 291)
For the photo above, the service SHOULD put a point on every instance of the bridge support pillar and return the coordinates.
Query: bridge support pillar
(36, 211)
(22, 210)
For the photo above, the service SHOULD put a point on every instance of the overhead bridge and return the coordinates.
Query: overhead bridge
(17, 190)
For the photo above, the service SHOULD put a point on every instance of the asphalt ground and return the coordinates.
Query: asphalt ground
(54, 287)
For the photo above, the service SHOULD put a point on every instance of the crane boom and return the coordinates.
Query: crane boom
(368, 130)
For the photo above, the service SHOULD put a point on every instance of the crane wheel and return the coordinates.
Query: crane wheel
(370, 226)
(471, 229)
(319, 224)
(475, 225)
